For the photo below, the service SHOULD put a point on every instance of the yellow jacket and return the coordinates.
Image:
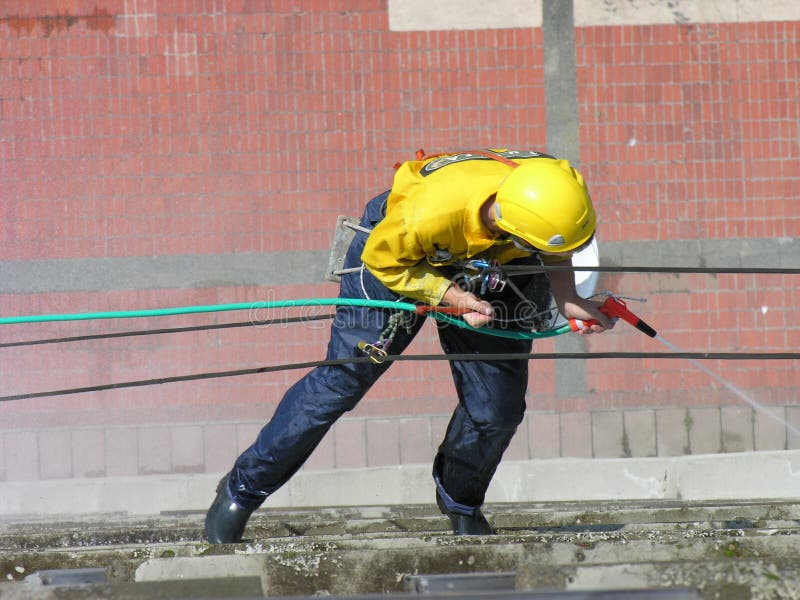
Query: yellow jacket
(432, 219)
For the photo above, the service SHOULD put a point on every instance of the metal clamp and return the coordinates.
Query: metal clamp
(346, 228)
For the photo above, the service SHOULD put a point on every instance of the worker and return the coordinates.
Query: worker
(502, 207)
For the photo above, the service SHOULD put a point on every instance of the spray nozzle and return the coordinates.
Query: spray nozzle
(614, 308)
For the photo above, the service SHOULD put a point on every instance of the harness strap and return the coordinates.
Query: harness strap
(420, 155)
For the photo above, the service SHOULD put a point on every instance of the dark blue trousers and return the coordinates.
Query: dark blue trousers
(491, 395)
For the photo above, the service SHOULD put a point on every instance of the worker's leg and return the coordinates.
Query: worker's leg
(305, 414)
(311, 406)
(491, 405)
(491, 394)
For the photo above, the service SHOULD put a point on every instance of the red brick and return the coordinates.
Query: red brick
(416, 442)
(351, 446)
(544, 435)
(55, 454)
(89, 453)
(576, 435)
(21, 455)
(383, 442)
(153, 450)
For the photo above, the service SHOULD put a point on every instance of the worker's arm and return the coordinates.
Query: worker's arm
(481, 311)
(571, 305)
(394, 254)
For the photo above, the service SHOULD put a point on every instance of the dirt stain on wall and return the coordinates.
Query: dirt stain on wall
(98, 20)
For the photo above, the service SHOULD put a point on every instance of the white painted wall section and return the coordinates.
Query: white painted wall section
(427, 15)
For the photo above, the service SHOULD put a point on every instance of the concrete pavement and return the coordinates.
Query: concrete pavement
(728, 550)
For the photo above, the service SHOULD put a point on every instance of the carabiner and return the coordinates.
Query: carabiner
(376, 353)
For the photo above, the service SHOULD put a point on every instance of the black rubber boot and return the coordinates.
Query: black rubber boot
(466, 524)
(225, 521)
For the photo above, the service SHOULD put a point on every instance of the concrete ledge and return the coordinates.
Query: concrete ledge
(762, 475)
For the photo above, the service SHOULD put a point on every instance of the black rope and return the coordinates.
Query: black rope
(415, 357)
(103, 336)
(520, 269)
(463, 357)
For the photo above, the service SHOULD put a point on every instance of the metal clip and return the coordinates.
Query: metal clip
(375, 353)
(496, 281)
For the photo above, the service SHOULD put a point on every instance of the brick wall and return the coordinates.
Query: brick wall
(157, 128)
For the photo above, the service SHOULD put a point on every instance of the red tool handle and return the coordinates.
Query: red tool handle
(615, 308)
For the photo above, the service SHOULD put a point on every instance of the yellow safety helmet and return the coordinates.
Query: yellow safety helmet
(545, 202)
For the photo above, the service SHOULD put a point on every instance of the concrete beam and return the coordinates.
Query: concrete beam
(733, 476)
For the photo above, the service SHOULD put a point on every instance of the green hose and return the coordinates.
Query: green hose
(185, 310)
(513, 335)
